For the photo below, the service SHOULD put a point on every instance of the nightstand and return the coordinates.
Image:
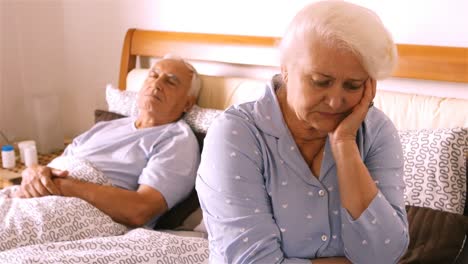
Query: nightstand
(13, 176)
(8, 178)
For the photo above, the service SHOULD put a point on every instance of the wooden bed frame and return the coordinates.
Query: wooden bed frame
(415, 61)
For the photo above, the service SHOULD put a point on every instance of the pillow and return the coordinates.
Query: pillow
(121, 102)
(435, 168)
(435, 236)
(200, 119)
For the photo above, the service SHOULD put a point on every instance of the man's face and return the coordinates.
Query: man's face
(165, 90)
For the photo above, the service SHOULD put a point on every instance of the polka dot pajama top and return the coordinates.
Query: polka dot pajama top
(262, 204)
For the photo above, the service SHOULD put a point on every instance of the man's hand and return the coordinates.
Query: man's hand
(347, 129)
(65, 184)
(37, 182)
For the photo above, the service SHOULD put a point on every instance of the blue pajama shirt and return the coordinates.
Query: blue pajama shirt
(261, 203)
(164, 157)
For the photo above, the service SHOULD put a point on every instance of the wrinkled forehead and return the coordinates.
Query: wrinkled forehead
(173, 67)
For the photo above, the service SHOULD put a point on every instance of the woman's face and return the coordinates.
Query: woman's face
(323, 86)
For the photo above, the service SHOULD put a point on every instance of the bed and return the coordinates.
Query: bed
(234, 69)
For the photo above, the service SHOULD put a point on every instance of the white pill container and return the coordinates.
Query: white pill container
(8, 157)
(22, 145)
(30, 155)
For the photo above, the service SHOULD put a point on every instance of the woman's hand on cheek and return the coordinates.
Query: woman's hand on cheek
(347, 129)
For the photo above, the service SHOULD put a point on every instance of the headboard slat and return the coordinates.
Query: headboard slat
(415, 61)
(128, 60)
(432, 63)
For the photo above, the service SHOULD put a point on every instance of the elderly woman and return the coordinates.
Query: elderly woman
(151, 160)
(310, 172)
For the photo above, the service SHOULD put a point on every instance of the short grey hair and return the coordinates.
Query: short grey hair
(196, 81)
(343, 25)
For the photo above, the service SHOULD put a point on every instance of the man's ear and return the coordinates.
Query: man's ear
(189, 103)
(284, 73)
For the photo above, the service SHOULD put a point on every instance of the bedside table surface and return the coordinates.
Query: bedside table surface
(43, 159)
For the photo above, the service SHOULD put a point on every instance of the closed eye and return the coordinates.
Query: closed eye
(352, 86)
(172, 79)
(326, 83)
(153, 74)
(171, 82)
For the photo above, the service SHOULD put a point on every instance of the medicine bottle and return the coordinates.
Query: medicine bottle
(8, 157)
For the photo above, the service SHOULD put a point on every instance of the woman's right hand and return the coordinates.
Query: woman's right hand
(37, 182)
(348, 127)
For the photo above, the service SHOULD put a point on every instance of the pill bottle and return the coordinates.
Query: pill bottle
(22, 145)
(8, 157)
(30, 155)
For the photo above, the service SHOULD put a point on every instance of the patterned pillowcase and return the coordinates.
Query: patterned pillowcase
(121, 102)
(199, 118)
(435, 168)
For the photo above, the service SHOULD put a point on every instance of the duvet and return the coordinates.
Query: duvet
(55, 229)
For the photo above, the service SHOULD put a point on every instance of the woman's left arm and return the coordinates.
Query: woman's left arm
(374, 219)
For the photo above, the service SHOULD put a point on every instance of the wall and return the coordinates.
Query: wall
(431, 22)
(71, 48)
(31, 61)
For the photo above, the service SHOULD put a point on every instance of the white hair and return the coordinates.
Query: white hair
(196, 81)
(343, 25)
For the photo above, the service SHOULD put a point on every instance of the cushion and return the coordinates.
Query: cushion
(435, 236)
(410, 111)
(435, 168)
(121, 102)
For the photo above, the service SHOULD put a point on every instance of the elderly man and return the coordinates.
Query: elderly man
(150, 159)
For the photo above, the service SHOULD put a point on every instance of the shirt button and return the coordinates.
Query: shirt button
(321, 193)
(324, 238)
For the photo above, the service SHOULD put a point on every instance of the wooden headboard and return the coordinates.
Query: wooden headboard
(415, 61)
